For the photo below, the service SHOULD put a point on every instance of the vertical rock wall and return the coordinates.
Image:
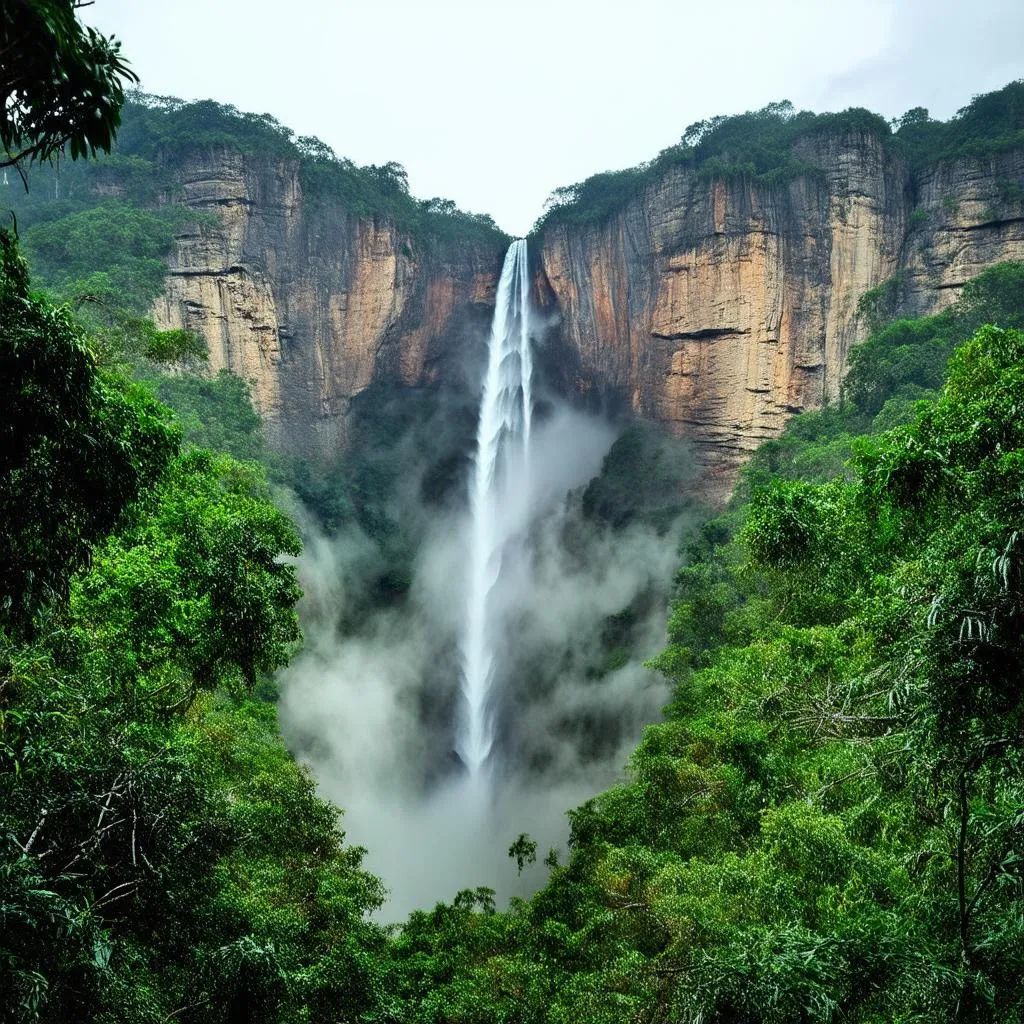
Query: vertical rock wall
(718, 308)
(722, 307)
(312, 304)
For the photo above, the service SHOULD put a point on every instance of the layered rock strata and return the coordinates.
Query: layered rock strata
(722, 307)
(310, 303)
(718, 308)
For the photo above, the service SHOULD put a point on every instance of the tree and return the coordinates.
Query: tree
(523, 851)
(77, 445)
(216, 609)
(914, 116)
(62, 84)
(112, 251)
(390, 178)
(315, 149)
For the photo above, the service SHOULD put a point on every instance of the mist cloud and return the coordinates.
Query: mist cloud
(370, 708)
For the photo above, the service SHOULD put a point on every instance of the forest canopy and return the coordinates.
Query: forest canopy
(768, 146)
(156, 131)
(827, 826)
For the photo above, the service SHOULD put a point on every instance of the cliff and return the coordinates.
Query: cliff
(714, 291)
(310, 302)
(720, 306)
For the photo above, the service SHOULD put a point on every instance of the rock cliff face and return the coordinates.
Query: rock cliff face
(311, 304)
(968, 215)
(720, 308)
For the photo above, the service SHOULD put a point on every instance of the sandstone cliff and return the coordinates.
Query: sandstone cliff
(311, 303)
(722, 307)
(717, 307)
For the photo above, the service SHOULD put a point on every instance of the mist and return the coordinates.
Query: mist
(370, 707)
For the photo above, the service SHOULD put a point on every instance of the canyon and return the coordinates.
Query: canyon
(715, 306)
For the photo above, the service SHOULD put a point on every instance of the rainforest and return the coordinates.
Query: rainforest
(402, 622)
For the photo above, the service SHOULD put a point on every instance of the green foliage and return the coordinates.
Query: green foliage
(197, 583)
(761, 143)
(641, 481)
(157, 130)
(153, 860)
(78, 446)
(215, 413)
(991, 123)
(918, 218)
(770, 146)
(154, 124)
(162, 856)
(907, 358)
(814, 446)
(881, 304)
(130, 245)
(827, 825)
(108, 260)
(764, 145)
(523, 851)
(62, 83)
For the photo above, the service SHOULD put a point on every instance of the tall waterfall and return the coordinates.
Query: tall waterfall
(499, 496)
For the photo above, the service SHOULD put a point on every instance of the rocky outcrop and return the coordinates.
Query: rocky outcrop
(718, 308)
(722, 307)
(968, 214)
(313, 304)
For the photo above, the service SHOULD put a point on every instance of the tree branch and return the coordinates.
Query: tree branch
(182, 1009)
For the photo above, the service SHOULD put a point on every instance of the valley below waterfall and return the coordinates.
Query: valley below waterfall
(403, 621)
(512, 592)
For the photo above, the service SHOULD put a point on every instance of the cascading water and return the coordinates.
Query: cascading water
(499, 496)
(528, 606)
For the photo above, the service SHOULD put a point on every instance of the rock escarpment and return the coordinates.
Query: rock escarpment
(311, 303)
(968, 215)
(720, 307)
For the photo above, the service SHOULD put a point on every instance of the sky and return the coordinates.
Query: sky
(495, 104)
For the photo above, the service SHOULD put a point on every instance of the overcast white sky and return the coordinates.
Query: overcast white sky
(495, 103)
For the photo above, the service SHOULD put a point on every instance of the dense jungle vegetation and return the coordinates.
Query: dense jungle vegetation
(770, 146)
(157, 131)
(827, 826)
(829, 823)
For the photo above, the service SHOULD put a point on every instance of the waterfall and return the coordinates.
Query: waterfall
(499, 496)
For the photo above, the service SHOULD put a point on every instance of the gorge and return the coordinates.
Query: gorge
(402, 622)
(713, 298)
(715, 304)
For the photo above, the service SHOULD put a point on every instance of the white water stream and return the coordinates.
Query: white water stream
(499, 497)
(497, 579)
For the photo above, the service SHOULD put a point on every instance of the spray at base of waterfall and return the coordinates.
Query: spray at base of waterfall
(370, 709)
